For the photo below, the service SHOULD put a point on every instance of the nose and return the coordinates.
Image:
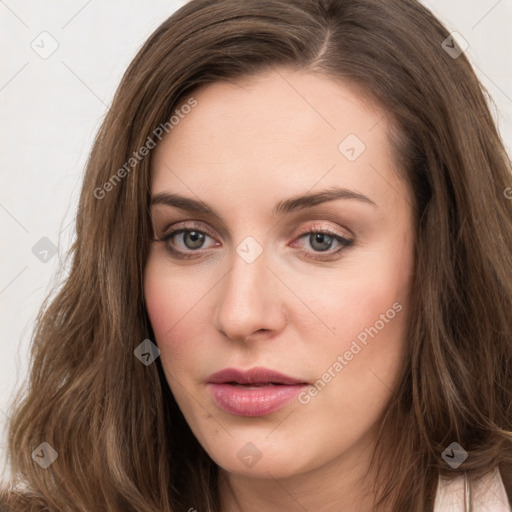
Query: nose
(250, 301)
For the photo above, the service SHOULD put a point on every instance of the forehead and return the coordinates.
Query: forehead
(282, 131)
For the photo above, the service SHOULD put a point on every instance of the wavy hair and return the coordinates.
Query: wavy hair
(122, 443)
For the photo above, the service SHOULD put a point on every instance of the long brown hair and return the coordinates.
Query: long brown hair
(122, 442)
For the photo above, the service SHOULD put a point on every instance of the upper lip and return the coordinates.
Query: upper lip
(257, 375)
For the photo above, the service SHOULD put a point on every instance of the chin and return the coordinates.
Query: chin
(260, 460)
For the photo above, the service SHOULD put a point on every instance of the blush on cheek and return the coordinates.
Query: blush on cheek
(163, 312)
(173, 324)
(156, 308)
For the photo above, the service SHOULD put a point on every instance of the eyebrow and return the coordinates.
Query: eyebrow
(281, 208)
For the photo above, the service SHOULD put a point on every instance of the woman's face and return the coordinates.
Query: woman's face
(258, 290)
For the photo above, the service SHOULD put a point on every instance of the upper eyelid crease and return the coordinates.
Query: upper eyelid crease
(345, 242)
(283, 207)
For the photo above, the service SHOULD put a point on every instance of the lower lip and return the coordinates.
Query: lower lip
(256, 401)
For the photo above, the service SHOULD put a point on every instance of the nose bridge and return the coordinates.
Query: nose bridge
(249, 296)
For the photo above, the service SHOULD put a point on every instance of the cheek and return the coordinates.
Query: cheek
(169, 295)
(158, 298)
(357, 369)
(365, 306)
(372, 293)
(175, 306)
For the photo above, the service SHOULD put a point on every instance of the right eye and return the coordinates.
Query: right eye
(191, 239)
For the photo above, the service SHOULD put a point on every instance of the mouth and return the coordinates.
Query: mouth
(256, 377)
(256, 385)
(256, 392)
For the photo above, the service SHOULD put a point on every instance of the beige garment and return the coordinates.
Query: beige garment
(488, 495)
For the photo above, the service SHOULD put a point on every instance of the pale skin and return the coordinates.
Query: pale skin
(241, 150)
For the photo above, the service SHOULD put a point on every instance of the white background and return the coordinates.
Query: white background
(50, 110)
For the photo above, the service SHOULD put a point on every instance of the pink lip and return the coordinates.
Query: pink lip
(267, 390)
(256, 375)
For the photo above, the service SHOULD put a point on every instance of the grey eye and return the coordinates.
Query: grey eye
(320, 241)
(193, 239)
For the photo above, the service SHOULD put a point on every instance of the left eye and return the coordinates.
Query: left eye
(322, 241)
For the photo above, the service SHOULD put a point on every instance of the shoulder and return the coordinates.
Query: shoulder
(489, 491)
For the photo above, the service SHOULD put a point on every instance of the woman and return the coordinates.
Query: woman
(290, 286)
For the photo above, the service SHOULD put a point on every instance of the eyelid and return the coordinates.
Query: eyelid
(187, 226)
(318, 226)
(315, 226)
(345, 242)
(345, 239)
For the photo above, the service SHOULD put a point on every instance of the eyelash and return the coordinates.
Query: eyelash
(345, 242)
